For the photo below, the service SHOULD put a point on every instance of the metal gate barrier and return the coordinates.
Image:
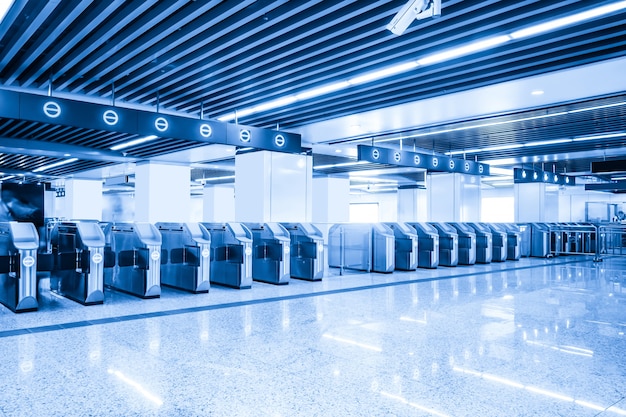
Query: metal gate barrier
(573, 239)
(611, 239)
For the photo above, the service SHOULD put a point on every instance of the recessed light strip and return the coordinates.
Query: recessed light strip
(537, 143)
(438, 57)
(134, 142)
(56, 164)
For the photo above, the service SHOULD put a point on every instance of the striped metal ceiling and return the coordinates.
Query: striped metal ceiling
(210, 58)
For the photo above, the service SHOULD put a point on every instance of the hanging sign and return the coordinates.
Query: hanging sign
(434, 163)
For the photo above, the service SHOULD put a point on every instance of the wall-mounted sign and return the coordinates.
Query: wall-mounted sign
(522, 175)
(61, 111)
(435, 163)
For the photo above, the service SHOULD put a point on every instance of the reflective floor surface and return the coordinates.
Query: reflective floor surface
(534, 337)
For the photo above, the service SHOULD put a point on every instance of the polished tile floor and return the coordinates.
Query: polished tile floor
(534, 337)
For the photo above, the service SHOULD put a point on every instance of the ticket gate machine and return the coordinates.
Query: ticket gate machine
(77, 258)
(406, 244)
(133, 258)
(499, 242)
(361, 246)
(231, 254)
(484, 245)
(185, 256)
(513, 241)
(18, 266)
(307, 251)
(448, 244)
(270, 253)
(540, 240)
(467, 243)
(427, 244)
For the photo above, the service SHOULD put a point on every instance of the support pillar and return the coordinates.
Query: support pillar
(454, 197)
(218, 203)
(83, 200)
(162, 193)
(413, 205)
(536, 202)
(273, 187)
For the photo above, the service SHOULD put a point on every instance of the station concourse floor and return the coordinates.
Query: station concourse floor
(534, 337)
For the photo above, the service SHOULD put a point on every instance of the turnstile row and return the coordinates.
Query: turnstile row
(82, 257)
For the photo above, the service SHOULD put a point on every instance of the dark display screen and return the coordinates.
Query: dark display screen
(22, 203)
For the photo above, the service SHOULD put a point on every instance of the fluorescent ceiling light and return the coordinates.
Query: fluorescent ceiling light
(225, 177)
(594, 137)
(133, 142)
(343, 164)
(464, 50)
(568, 20)
(5, 5)
(56, 164)
(383, 73)
(430, 59)
(546, 142)
(503, 147)
(372, 180)
(7, 177)
(325, 89)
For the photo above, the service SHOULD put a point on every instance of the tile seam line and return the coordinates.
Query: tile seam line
(188, 310)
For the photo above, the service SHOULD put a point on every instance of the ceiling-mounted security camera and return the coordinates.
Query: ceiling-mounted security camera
(413, 10)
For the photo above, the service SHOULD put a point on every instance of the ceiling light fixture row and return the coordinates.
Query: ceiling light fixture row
(435, 58)
(522, 175)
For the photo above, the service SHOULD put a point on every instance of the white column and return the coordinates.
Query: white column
(218, 203)
(331, 200)
(273, 187)
(83, 200)
(162, 192)
(454, 197)
(413, 205)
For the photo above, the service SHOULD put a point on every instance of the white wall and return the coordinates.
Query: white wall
(331, 200)
(387, 204)
(497, 205)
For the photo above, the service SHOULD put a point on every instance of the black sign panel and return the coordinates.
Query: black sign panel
(521, 176)
(170, 126)
(608, 167)
(9, 104)
(61, 111)
(435, 163)
(77, 113)
(271, 140)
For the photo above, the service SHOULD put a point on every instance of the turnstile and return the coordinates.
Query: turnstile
(467, 243)
(185, 256)
(406, 244)
(133, 258)
(484, 249)
(498, 242)
(77, 252)
(361, 246)
(427, 244)
(540, 240)
(231, 254)
(270, 253)
(513, 241)
(448, 244)
(18, 266)
(307, 251)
